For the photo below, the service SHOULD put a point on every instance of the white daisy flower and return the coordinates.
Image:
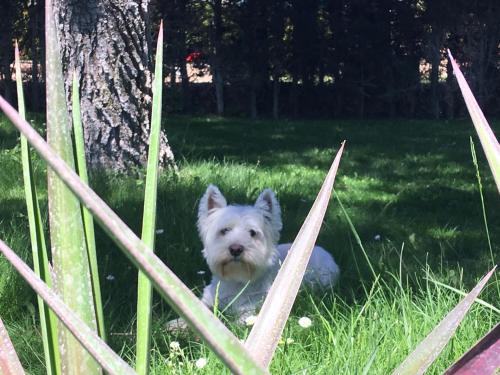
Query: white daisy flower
(305, 322)
(174, 345)
(201, 362)
(250, 321)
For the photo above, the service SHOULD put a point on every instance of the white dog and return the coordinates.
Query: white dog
(240, 246)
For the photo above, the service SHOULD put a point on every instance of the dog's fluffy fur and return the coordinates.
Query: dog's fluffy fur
(240, 247)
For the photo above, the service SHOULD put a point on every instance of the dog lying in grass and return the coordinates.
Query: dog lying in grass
(241, 249)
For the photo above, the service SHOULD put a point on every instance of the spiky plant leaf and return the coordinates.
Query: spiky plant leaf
(488, 140)
(428, 349)
(86, 337)
(88, 220)
(69, 249)
(9, 361)
(48, 322)
(227, 347)
(144, 289)
(482, 358)
(271, 320)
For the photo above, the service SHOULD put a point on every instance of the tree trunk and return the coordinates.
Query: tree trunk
(216, 36)
(7, 50)
(36, 31)
(186, 95)
(108, 45)
(182, 53)
(253, 97)
(276, 97)
(435, 62)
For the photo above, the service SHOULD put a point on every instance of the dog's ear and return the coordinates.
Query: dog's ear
(268, 203)
(211, 201)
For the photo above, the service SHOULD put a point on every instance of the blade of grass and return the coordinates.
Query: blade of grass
(227, 347)
(87, 337)
(483, 207)
(144, 289)
(463, 294)
(69, 249)
(88, 220)
(430, 348)
(266, 332)
(486, 136)
(9, 361)
(37, 236)
(356, 235)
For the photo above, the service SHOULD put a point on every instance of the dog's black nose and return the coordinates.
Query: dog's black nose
(235, 250)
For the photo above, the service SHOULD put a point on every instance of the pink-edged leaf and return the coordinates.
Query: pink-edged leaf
(486, 136)
(482, 358)
(87, 337)
(429, 348)
(266, 332)
(9, 361)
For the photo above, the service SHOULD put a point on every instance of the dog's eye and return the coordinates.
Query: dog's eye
(252, 233)
(224, 231)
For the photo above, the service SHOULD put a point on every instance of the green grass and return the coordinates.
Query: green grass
(410, 183)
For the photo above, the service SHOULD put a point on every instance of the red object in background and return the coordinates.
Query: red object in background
(193, 56)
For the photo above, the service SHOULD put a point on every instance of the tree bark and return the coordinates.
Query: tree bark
(216, 36)
(253, 98)
(36, 31)
(436, 43)
(186, 94)
(7, 50)
(107, 44)
(276, 97)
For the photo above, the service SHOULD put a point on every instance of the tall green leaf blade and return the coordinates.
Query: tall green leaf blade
(69, 250)
(429, 348)
(88, 220)
(144, 289)
(38, 245)
(9, 361)
(488, 140)
(86, 337)
(266, 332)
(227, 347)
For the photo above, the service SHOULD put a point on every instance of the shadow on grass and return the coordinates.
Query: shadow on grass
(406, 185)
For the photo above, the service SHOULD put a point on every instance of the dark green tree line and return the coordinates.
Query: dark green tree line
(317, 57)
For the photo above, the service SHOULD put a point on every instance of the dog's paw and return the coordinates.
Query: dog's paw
(178, 325)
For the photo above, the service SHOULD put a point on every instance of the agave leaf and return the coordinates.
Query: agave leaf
(429, 348)
(227, 347)
(86, 336)
(48, 322)
(69, 249)
(482, 358)
(144, 289)
(9, 361)
(266, 332)
(486, 136)
(88, 220)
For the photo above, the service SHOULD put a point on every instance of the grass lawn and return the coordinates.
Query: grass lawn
(409, 187)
